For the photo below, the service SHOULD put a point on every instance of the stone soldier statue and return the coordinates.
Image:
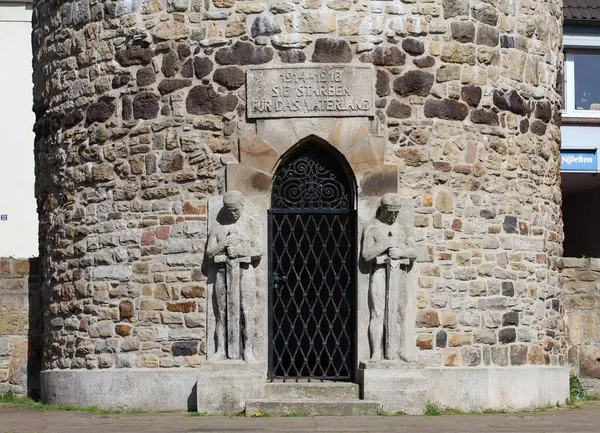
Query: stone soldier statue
(388, 246)
(234, 244)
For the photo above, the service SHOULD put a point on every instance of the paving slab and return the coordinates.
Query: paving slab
(20, 419)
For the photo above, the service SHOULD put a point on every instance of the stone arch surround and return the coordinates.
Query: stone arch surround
(352, 137)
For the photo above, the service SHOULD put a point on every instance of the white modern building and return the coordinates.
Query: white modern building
(581, 128)
(18, 217)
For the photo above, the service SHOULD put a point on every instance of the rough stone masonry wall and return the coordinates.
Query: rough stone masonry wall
(141, 103)
(20, 313)
(581, 290)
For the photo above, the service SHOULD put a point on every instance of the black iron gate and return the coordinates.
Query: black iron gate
(312, 268)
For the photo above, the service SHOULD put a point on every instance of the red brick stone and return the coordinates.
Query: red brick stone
(163, 232)
(182, 307)
(429, 319)
(457, 225)
(126, 309)
(540, 258)
(442, 166)
(195, 218)
(523, 228)
(194, 291)
(425, 341)
(148, 238)
(198, 207)
(4, 266)
(123, 330)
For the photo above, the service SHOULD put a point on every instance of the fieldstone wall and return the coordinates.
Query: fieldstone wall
(20, 314)
(581, 288)
(140, 105)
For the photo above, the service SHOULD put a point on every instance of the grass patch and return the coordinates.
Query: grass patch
(296, 414)
(433, 409)
(10, 398)
(193, 414)
(576, 392)
(575, 388)
(260, 415)
(544, 408)
(588, 397)
(452, 411)
(399, 413)
(493, 411)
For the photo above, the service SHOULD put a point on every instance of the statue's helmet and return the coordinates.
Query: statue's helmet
(233, 199)
(391, 202)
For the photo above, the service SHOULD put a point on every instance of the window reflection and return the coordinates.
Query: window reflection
(587, 81)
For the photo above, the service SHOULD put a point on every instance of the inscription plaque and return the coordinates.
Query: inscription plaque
(314, 91)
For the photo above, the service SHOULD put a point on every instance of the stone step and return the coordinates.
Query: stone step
(312, 390)
(311, 407)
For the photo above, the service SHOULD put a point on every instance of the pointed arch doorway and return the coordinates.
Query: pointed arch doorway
(312, 265)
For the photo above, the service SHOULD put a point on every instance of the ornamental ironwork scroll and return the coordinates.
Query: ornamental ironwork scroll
(309, 182)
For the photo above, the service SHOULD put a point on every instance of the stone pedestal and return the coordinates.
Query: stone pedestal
(397, 385)
(505, 388)
(224, 386)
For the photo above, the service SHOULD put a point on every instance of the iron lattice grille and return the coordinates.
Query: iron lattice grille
(312, 271)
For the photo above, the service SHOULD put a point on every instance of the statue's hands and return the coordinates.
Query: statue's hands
(233, 251)
(396, 253)
(219, 250)
(237, 249)
(402, 253)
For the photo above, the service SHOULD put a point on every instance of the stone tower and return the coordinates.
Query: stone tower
(149, 111)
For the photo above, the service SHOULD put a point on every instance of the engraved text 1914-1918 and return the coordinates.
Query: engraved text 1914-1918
(323, 91)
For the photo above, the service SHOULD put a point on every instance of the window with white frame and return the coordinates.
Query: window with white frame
(582, 83)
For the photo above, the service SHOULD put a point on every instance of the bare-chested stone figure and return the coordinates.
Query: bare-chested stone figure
(388, 247)
(234, 244)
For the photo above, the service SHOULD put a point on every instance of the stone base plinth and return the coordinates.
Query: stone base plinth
(402, 387)
(147, 389)
(507, 388)
(397, 385)
(224, 386)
